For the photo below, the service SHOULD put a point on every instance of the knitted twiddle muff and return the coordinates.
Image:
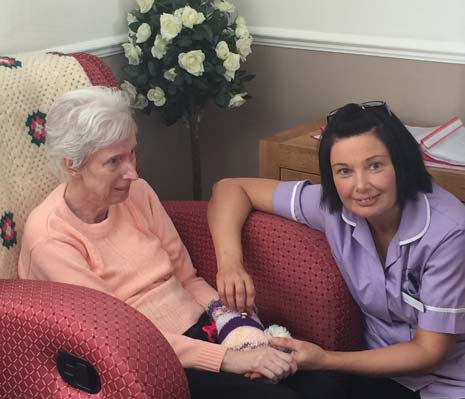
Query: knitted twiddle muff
(29, 84)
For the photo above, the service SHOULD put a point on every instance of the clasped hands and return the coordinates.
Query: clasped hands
(237, 292)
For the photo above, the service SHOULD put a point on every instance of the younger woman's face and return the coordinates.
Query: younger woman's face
(364, 177)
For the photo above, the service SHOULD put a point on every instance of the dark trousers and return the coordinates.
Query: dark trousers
(302, 385)
(378, 388)
(309, 385)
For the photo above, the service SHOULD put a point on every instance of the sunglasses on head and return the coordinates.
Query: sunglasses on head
(365, 105)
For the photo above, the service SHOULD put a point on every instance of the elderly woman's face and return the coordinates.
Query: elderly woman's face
(107, 175)
(364, 177)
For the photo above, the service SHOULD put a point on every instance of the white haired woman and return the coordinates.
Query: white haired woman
(105, 228)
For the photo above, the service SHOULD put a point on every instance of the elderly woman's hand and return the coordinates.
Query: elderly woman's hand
(266, 362)
(235, 287)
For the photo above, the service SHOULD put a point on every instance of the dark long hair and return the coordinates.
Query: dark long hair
(353, 119)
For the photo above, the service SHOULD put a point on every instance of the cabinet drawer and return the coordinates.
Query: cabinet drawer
(289, 174)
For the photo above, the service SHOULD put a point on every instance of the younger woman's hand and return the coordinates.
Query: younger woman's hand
(307, 355)
(235, 288)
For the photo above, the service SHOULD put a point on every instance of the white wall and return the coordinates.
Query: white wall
(431, 30)
(441, 20)
(28, 25)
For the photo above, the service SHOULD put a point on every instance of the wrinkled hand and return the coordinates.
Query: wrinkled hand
(307, 355)
(267, 362)
(235, 288)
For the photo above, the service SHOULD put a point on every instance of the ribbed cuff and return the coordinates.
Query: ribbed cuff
(210, 357)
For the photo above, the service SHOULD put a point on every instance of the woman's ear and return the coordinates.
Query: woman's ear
(68, 164)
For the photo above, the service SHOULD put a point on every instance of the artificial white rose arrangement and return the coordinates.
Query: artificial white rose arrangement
(182, 53)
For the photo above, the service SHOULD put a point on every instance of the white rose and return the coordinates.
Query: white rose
(130, 90)
(240, 21)
(141, 102)
(145, 5)
(222, 50)
(224, 6)
(189, 16)
(170, 74)
(131, 18)
(159, 47)
(157, 96)
(192, 62)
(143, 33)
(244, 47)
(237, 100)
(170, 26)
(132, 53)
(242, 31)
(231, 64)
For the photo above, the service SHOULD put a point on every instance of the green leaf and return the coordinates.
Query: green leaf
(188, 78)
(172, 90)
(172, 112)
(195, 4)
(247, 78)
(199, 34)
(142, 79)
(132, 71)
(179, 80)
(134, 26)
(171, 56)
(220, 69)
(208, 67)
(184, 42)
(155, 22)
(208, 32)
(153, 68)
(178, 3)
(222, 99)
(201, 84)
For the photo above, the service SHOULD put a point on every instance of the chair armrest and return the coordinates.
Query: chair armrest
(38, 319)
(297, 282)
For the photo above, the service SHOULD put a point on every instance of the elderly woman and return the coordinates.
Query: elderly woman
(104, 228)
(399, 243)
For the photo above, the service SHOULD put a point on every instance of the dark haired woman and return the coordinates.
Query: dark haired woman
(398, 240)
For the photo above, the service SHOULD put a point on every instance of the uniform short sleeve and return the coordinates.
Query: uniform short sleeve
(299, 201)
(443, 287)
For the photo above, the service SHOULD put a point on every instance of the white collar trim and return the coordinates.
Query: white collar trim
(425, 227)
(347, 220)
(408, 240)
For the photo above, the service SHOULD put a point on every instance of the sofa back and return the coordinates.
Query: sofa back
(297, 282)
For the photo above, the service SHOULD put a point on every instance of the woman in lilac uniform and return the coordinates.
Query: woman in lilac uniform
(397, 239)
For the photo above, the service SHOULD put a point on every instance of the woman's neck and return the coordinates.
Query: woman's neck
(83, 207)
(383, 230)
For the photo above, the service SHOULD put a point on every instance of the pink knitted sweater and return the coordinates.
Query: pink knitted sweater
(135, 255)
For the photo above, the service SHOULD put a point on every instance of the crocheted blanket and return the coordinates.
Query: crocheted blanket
(29, 84)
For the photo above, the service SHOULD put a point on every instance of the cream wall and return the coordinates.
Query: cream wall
(295, 83)
(68, 26)
(435, 20)
(293, 87)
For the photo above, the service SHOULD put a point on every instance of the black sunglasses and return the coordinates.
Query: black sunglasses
(365, 105)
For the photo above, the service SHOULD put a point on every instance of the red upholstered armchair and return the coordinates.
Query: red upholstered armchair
(51, 333)
(297, 282)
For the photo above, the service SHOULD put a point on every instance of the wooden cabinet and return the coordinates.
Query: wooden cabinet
(293, 155)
